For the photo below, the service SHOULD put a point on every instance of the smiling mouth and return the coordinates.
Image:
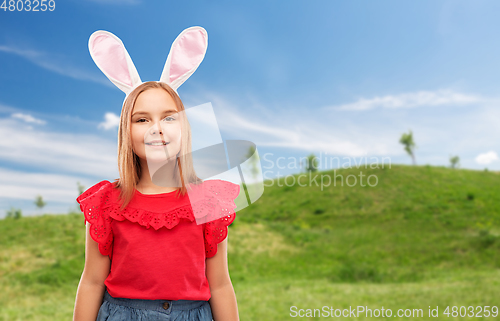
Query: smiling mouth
(157, 144)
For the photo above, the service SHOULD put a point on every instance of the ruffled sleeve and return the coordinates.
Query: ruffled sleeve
(223, 194)
(93, 203)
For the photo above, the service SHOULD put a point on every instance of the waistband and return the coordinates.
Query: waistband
(165, 306)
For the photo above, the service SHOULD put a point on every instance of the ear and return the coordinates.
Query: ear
(186, 54)
(110, 55)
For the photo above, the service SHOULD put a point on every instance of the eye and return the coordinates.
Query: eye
(169, 118)
(141, 120)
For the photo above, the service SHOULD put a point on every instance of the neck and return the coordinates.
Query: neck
(161, 177)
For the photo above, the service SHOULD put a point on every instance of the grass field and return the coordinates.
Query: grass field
(424, 236)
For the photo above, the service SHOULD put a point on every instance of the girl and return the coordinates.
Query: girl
(146, 255)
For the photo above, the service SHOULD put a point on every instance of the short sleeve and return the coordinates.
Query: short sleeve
(216, 231)
(94, 203)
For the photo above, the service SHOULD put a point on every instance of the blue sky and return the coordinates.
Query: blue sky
(333, 78)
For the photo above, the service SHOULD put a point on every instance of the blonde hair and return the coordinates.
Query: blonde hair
(129, 166)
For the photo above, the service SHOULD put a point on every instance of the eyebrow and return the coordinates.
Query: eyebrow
(169, 112)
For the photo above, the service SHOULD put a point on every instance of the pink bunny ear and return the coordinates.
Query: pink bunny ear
(110, 55)
(186, 54)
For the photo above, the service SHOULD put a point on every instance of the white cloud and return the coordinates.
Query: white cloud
(61, 152)
(50, 62)
(7, 109)
(412, 100)
(294, 136)
(486, 158)
(28, 118)
(27, 185)
(111, 121)
(269, 128)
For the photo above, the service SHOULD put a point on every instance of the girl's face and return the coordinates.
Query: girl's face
(155, 126)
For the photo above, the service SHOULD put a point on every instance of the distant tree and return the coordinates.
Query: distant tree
(39, 202)
(311, 163)
(81, 188)
(454, 161)
(14, 213)
(407, 141)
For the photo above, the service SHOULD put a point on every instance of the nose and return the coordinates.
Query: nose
(156, 128)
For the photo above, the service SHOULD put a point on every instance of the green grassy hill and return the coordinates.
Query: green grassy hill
(423, 236)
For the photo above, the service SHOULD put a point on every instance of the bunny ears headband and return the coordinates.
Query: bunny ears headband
(186, 54)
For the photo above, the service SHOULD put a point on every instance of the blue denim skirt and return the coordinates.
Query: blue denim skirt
(120, 309)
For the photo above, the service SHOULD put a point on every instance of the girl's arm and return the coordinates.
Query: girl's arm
(91, 288)
(223, 300)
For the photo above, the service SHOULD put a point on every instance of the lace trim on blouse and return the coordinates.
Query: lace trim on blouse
(214, 205)
(93, 203)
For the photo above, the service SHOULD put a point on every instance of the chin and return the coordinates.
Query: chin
(160, 158)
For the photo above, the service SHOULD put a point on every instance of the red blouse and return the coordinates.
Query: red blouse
(156, 247)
